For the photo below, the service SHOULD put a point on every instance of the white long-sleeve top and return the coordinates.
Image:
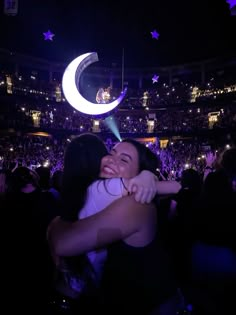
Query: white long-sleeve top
(99, 195)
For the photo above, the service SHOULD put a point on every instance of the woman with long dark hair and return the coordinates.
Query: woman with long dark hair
(137, 274)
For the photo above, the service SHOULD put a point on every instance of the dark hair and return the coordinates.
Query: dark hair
(81, 168)
(148, 160)
(229, 162)
(56, 180)
(7, 175)
(21, 177)
(192, 180)
(44, 177)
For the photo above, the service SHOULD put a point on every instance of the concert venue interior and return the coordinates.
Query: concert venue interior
(180, 104)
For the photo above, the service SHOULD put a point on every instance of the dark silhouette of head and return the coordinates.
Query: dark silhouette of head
(21, 177)
(44, 177)
(191, 179)
(81, 168)
(229, 162)
(57, 180)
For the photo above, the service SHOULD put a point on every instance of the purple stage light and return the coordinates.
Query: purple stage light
(231, 3)
(232, 6)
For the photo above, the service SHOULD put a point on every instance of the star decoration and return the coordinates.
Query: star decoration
(155, 78)
(48, 35)
(155, 35)
(231, 3)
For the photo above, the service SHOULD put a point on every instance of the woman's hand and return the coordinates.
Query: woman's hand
(143, 186)
(210, 159)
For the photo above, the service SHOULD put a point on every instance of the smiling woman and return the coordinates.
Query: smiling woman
(117, 225)
(123, 161)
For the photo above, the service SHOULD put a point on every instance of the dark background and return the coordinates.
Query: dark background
(189, 30)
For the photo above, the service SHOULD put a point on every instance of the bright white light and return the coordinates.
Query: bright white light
(46, 163)
(70, 81)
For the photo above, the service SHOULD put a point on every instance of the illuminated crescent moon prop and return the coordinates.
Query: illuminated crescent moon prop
(70, 86)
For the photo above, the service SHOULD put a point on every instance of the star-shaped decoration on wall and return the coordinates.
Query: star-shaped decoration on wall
(155, 35)
(231, 3)
(48, 35)
(232, 6)
(155, 78)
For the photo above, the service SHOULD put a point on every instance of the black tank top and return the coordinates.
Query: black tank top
(137, 279)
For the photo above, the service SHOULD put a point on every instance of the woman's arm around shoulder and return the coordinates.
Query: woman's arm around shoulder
(119, 220)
